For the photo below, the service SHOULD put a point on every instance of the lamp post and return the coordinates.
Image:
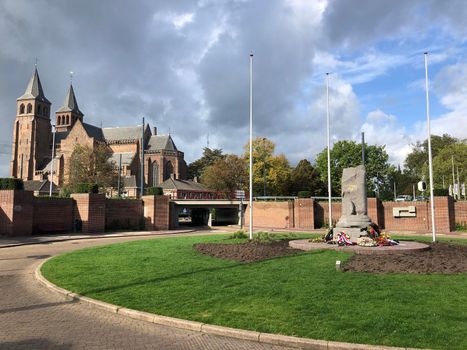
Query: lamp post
(264, 169)
(52, 163)
(430, 161)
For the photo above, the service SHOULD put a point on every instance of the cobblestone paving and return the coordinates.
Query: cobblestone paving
(32, 317)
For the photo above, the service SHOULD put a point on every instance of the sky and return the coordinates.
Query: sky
(184, 66)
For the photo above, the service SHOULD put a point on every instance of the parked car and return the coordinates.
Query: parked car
(421, 198)
(403, 198)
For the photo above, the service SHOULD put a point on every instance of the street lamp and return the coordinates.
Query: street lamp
(264, 168)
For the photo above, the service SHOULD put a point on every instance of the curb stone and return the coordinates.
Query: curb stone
(266, 338)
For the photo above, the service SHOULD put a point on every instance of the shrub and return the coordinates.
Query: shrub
(9, 183)
(154, 191)
(304, 194)
(440, 192)
(263, 237)
(86, 188)
(239, 235)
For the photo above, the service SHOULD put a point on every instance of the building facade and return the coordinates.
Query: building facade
(33, 138)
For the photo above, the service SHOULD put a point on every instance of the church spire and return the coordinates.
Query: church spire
(34, 89)
(70, 104)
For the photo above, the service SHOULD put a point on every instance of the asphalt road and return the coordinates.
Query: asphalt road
(33, 317)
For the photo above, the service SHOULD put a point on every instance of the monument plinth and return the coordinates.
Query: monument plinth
(354, 220)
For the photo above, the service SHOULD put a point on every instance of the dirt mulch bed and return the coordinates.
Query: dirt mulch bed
(441, 258)
(247, 252)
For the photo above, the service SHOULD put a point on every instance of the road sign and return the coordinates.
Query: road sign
(240, 194)
(422, 186)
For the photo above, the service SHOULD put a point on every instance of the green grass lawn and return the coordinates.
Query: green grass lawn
(300, 295)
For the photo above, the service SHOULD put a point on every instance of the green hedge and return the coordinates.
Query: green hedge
(8, 183)
(440, 192)
(86, 188)
(154, 191)
(304, 194)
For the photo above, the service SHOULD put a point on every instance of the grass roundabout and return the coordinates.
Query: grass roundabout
(301, 295)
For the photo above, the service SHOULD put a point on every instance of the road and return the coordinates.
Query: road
(33, 317)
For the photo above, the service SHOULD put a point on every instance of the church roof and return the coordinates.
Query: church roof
(187, 185)
(40, 185)
(158, 142)
(122, 133)
(127, 158)
(70, 104)
(94, 131)
(34, 89)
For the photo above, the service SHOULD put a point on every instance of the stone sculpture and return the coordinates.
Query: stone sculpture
(354, 219)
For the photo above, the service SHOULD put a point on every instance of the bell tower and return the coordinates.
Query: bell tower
(31, 131)
(69, 113)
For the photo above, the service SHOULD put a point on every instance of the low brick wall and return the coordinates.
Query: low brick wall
(271, 214)
(420, 223)
(89, 210)
(156, 212)
(16, 214)
(460, 210)
(304, 213)
(124, 214)
(52, 215)
(321, 213)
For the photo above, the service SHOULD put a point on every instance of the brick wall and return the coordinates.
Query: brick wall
(460, 208)
(321, 213)
(123, 214)
(271, 214)
(420, 223)
(156, 212)
(304, 213)
(90, 210)
(16, 215)
(53, 215)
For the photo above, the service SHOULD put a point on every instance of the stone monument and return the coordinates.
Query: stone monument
(354, 219)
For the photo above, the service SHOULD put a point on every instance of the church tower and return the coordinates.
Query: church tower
(31, 131)
(69, 113)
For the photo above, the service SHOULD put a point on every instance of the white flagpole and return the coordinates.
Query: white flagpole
(430, 162)
(329, 152)
(251, 146)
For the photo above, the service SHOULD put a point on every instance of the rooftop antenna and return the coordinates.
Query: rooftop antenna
(35, 64)
(71, 77)
(207, 141)
(169, 131)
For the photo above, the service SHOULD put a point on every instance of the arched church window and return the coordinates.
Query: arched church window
(21, 109)
(44, 112)
(169, 169)
(39, 109)
(29, 108)
(68, 119)
(155, 173)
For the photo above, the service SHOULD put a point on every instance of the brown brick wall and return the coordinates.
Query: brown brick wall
(156, 212)
(53, 215)
(123, 214)
(321, 213)
(420, 223)
(16, 214)
(271, 214)
(460, 208)
(90, 209)
(304, 213)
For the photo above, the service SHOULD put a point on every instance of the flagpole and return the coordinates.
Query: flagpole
(329, 152)
(430, 162)
(251, 147)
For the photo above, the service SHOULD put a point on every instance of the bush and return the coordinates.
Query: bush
(304, 194)
(263, 237)
(154, 191)
(239, 235)
(86, 188)
(440, 192)
(9, 183)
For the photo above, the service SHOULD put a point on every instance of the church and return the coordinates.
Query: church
(38, 151)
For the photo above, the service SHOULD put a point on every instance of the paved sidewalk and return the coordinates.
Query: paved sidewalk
(31, 317)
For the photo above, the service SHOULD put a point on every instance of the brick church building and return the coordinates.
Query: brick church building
(33, 139)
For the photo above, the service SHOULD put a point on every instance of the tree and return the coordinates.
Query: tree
(306, 178)
(88, 165)
(442, 164)
(227, 174)
(416, 163)
(346, 154)
(270, 172)
(196, 168)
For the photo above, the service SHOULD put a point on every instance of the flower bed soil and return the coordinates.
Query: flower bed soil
(440, 258)
(247, 252)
